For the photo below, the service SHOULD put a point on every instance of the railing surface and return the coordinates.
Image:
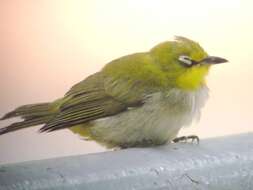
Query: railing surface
(217, 163)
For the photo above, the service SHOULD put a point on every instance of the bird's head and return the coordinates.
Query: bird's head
(185, 62)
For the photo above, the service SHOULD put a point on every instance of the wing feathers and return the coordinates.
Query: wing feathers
(84, 111)
(85, 102)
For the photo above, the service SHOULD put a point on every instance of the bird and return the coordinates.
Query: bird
(138, 100)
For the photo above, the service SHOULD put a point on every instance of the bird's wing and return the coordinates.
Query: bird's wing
(90, 100)
(122, 83)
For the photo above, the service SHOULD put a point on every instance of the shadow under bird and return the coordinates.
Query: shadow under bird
(138, 100)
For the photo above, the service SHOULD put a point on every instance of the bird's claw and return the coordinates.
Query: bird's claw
(186, 138)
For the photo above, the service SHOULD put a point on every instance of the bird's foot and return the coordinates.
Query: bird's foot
(186, 138)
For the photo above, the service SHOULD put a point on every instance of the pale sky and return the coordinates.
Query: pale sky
(46, 46)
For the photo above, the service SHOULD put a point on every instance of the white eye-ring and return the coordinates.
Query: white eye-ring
(185, 59)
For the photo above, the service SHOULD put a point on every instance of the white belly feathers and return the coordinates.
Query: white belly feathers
(157, 121)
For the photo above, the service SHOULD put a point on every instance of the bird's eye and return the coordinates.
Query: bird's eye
(185, 59)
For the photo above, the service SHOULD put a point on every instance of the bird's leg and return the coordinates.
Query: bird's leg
(180, 139)
(193, 138)
(186, 138)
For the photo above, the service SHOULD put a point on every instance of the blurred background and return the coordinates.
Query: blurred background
(46, 46)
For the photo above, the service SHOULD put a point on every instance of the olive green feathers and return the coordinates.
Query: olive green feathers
(123, 83)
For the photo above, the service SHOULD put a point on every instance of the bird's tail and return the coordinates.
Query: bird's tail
(33, 114)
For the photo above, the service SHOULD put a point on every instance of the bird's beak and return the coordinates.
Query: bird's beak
(213, 60)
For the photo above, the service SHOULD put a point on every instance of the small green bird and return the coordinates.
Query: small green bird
(138, 100)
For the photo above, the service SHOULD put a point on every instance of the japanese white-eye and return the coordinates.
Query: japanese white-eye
(138, 100)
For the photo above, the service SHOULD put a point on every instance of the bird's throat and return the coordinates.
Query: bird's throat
(193, 78)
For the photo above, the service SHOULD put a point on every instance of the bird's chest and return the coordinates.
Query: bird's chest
(157, 121)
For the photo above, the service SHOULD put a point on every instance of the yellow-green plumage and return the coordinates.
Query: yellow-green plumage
(141, 99)
(192, 79)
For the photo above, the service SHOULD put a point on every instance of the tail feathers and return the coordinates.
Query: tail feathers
(28, 111)
(24, 124)
(34, 114)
